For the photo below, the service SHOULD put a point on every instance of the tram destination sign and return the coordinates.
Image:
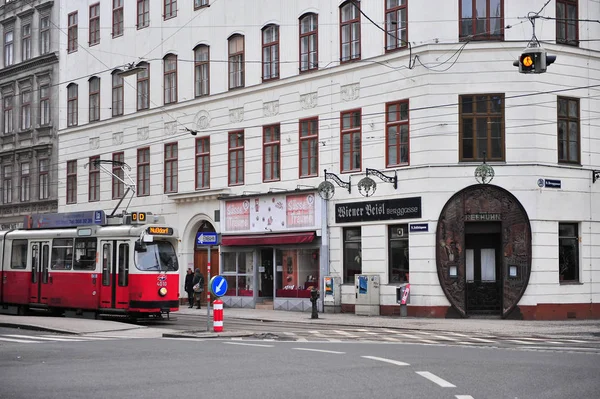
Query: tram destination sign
(160, 231)
(67, 219)
(371, 211)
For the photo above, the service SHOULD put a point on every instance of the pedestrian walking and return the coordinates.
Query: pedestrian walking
(198, 286)
(189, 286)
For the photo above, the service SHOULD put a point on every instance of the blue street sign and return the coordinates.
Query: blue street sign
(207, 239)
(418, 227)
(218, 286)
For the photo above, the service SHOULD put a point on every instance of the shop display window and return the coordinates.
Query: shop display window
(238, 269)
(297, 272)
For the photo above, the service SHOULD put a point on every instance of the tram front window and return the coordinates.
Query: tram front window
(159, 255)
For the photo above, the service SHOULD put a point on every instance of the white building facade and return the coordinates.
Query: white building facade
(228, 113)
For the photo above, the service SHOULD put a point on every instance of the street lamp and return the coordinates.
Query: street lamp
(326, 189)
(367, 186)
(484, 173)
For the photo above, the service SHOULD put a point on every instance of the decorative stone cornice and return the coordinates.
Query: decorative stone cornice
(198, 196)
(40, 61)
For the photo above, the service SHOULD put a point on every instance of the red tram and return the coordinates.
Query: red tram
(88, 262)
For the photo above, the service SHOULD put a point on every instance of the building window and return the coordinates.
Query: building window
(26, 42)
(170, 9)
(44, 35)
(170, 72)
(143, 87)
(94, 99)
(8, 48)
(118, 185)
(200, 3)
(143, 13)
(72, 32)
(44, 176)
(71, 182)
(309, 147)
(117, 18)
(482, 127)
(117, 94)
(396, 134)
(350, 31)
(568, 130)
(270, 52)
(72, 105)
(398, 268)
(567, 24)
(94, 29)
(7, 185)
(237, 269)
(26, 110)
(8, 114)
(236, 158)
(202, 163)
(44, 105)
(171, 168)
(351, 141)
(271, 153)
(568, 252)
(143, 172)
(236, 61)
(352, 254)
(481, 19)
(94, 176)
(309, 45)
(25, 182)
(396, 22)
(201, 70)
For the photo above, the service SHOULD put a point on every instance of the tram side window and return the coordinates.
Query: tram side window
(123, 265)
(106, 257)
(18, 257)
(85, 253)
(62, 254)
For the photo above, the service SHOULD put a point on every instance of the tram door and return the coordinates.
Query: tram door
(114, 292)
(40, 262)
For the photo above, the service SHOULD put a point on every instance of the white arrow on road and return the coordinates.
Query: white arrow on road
(220, 285)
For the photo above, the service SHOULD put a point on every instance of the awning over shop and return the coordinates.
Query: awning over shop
(269, 239)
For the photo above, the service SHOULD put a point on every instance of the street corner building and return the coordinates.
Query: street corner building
(399, 157)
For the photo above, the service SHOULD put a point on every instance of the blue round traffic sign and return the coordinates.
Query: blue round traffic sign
(218, 286)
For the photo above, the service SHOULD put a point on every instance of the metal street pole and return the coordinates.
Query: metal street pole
(208, 292)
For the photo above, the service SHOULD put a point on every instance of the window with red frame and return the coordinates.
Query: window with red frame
(201, 71)
(271, 153)
(94, 183)
(143, 172)
(309, 147)
(200, 3)
(350, 31)
(117, 94)
(44, 177)
(236, 61)
(481, 19)
(202, 163)
(170, 9)
(72, 32)
(171, 168)
(143, 13)
(567, 22)
(270, 52)
(94, 28)
(71, 182)
(94, 99)
(236, 158)
(396, 22)
(170, 76)
(118, 185)
(396, 133)
(569, 134)
(143, 87)
(351, 140)
(309, 49)
(117, 18)
(72, 108)
(25, 182)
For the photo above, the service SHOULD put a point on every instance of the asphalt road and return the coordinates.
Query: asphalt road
(176, 368)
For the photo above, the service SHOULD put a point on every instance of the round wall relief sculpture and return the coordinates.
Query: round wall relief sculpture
(475, 204)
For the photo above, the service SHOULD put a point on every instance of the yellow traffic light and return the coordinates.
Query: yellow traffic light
(527, 61)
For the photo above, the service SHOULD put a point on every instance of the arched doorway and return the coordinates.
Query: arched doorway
(483, 251)
(201, 256)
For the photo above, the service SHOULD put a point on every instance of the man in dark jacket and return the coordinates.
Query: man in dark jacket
(198, 279)
(189, 278)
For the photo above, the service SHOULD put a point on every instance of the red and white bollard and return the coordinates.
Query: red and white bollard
(218, 315)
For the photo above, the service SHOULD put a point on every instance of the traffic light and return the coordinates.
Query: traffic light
(534, 60)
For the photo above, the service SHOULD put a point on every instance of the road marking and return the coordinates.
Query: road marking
(577, 341)
(244, 344)
(342, 332)
(185, 339)
(457, 334)
(289, 333)
(372, 333)
(464, 397)
(446, 338)
(517, 341)
(434, 378)
(319, 350)
(45, 338)
(390, 339)
(302, 339)
(22, 341)
(489, 341)
(381, 359)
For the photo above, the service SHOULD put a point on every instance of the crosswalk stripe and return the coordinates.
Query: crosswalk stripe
(21, 341)
(489, 341)
(517, 341)
(446, 338)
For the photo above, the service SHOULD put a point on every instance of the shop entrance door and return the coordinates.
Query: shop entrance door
(483, 265)
(265, 273)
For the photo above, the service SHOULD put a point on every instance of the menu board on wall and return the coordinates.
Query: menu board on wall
(273, 213)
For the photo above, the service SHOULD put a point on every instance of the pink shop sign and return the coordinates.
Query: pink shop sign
(237, 215)
(300, 211)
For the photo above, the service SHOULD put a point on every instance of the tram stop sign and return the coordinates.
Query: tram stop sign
(218, 286)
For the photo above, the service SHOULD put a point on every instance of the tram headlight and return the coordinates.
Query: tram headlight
(162, 291)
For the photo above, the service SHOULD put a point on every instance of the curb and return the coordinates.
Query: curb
(206, 334)
(36, 328)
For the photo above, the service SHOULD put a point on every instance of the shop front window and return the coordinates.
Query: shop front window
(297, 272)
(352, 254)
(398, 260)
(238, 269)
